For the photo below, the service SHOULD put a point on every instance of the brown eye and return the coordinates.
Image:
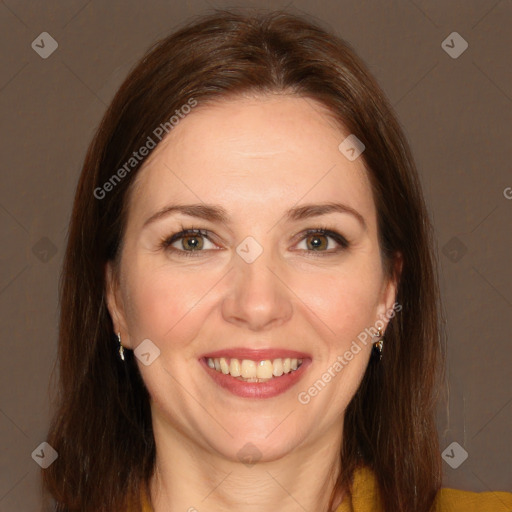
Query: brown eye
(188, 242)
(323, 241)
(193, 242)
(315, 242)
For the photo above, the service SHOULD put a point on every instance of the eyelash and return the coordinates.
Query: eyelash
(165, 243)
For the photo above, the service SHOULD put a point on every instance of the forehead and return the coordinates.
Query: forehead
(273, 151)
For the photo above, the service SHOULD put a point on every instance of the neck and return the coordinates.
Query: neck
(194, 478)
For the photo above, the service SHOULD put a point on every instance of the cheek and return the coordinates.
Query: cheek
(345, 299)
(162, 303)
(166, 303)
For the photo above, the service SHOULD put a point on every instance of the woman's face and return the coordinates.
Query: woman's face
(253, 286)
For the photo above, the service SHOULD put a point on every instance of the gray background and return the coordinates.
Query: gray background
(456, 113)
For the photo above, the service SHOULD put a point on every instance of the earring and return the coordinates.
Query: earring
(121, 348)
(378, 346)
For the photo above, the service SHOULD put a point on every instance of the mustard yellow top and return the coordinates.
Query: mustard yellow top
(364, 498)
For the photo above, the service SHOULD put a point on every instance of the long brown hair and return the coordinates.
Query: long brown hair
(101, 425)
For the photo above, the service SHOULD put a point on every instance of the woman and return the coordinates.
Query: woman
(249, 298)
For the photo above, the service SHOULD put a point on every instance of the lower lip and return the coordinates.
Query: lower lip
(269, 389)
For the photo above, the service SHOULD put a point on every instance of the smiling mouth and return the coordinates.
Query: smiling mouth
(247, 370)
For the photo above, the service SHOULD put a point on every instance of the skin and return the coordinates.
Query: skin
(256, 157)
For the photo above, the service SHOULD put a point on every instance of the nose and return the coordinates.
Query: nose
(257, 297)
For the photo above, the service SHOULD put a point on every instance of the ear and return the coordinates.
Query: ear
(115, 304)
(388, 307)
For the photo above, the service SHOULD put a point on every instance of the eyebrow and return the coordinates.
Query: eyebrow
(217, 213)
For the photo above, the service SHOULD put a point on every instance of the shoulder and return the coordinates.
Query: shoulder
(364, 496)
(453, 500)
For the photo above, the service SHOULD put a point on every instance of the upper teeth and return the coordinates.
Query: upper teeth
(249, 369)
